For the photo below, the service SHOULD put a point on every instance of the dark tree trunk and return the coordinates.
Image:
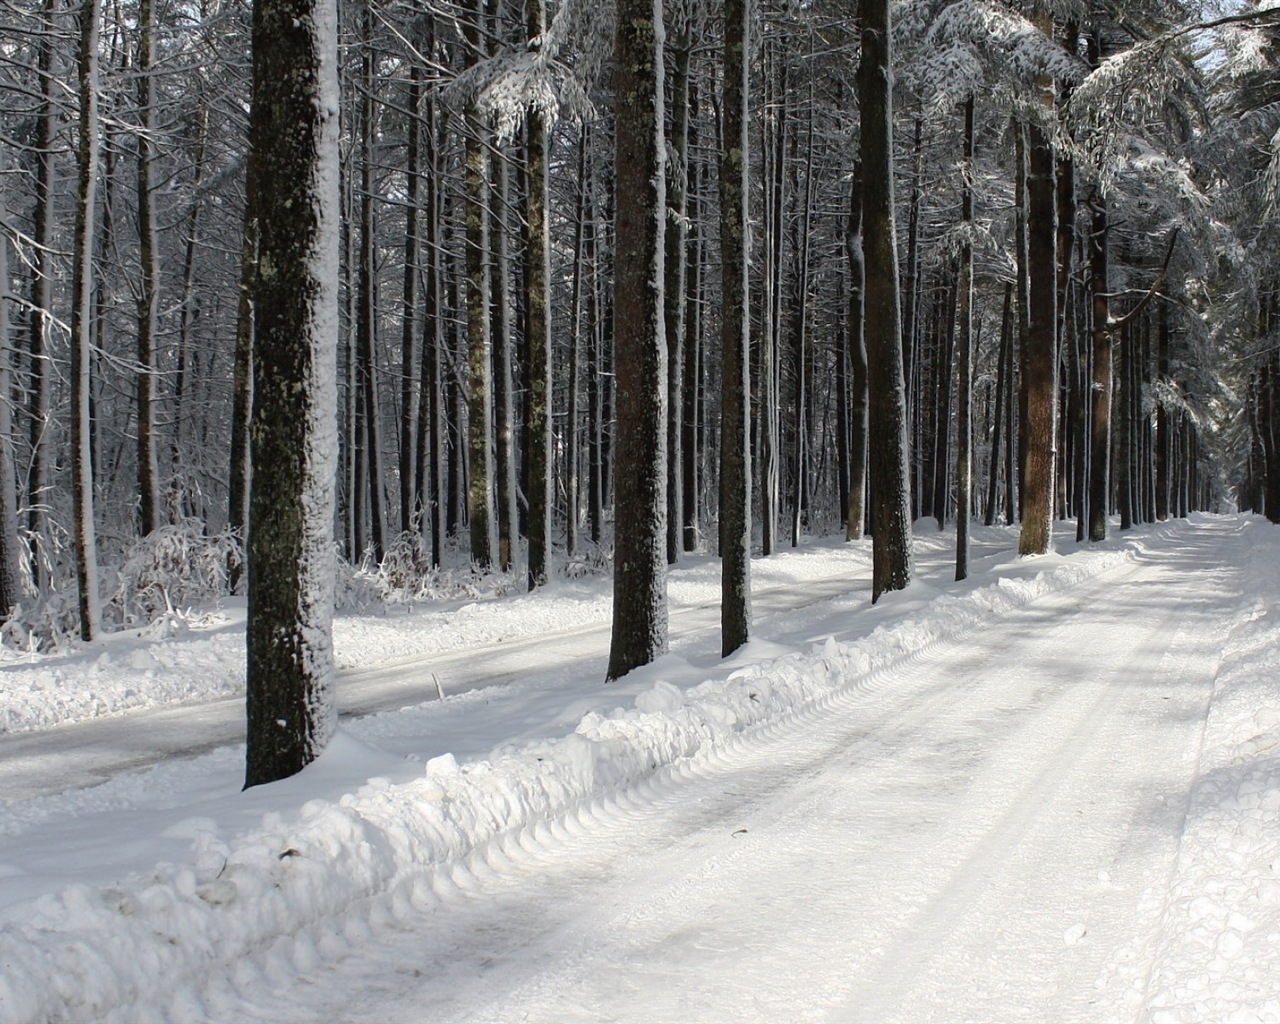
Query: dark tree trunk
(735, 337)
(890, 489)
(537, 405)
(1001, 415)
(640, 350)
(293, 163)
(857, 349)
(1040, 362)
(964, 360)
(149, 278)
(675, 270)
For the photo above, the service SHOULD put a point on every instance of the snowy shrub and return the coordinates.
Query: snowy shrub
(171, 569)
(405, 576)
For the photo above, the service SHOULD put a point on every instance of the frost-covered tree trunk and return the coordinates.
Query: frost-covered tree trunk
(85, 533)
(735, 336)
(538, 326)
(1040, 362)
(640, 358)
(149, 278)
(10, 580)
(964, 357)
(887, 409)
(857, 346)
(40, 386)
(479, 341)
(410, 357)
(502, 332)
(293, 162)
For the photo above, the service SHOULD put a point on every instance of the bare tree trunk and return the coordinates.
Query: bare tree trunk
(41, 381)
(10, 580)
(538, 413)
(857, 364)
(890, 488)
(1040, 382)
(410, 357)
(676, 269)
(690, 451)
(640, 358)
(964, 359)
(149, 278)
(367, 323)
(242, 378)
(502, 332)
(294, 165)
(81, 319)
(1100, 442)
(735, 337)
(1001, 413)
(573, 428)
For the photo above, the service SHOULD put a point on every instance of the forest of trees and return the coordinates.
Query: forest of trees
(704, 276)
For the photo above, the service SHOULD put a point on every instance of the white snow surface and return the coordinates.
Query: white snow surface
(1050, 792)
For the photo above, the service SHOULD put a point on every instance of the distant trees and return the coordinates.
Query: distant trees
(488, 303)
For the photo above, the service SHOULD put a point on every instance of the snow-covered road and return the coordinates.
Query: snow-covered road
(1051, 792)
(986, 832)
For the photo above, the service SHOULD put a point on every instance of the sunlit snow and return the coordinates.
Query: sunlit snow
(1051, 792)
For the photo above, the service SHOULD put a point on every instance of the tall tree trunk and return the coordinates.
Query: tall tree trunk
(1164, 435)
(690, 387)
(857, 364)
(1100, 435)
(998, 423)
(675, 271)
(85, 533)
(502, 332)
(294, 165)
(964, 358)
(1023, 280)
(479, 350)
(774, 138)
(538, 400)
(573, 427)
(149, 278)
(40, 387)
(735, 337)
(1040, 382)
(242, 378)
(640, 357)
(10, 580)
(890, 488)
(367, 325)
(410, 358)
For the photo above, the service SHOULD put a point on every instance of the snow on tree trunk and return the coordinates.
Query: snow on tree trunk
(10, 582)
(149, 278)
(887, 407)
(735, 339)
(81, 327)
(640, 358)
(294, 167)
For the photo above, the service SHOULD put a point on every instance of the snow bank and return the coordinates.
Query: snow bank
(1220, 955)
(291, 892)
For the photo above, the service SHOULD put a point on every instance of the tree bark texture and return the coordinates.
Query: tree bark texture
(640, 358)
(887, 408)
(294, 167)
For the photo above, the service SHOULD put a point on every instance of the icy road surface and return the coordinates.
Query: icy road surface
(986, 832)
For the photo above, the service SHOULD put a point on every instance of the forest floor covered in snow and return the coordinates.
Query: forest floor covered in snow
(1051, 792)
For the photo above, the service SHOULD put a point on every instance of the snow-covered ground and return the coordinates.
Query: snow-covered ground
(1051, 792)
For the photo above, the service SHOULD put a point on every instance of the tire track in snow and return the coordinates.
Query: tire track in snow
(887, 831)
